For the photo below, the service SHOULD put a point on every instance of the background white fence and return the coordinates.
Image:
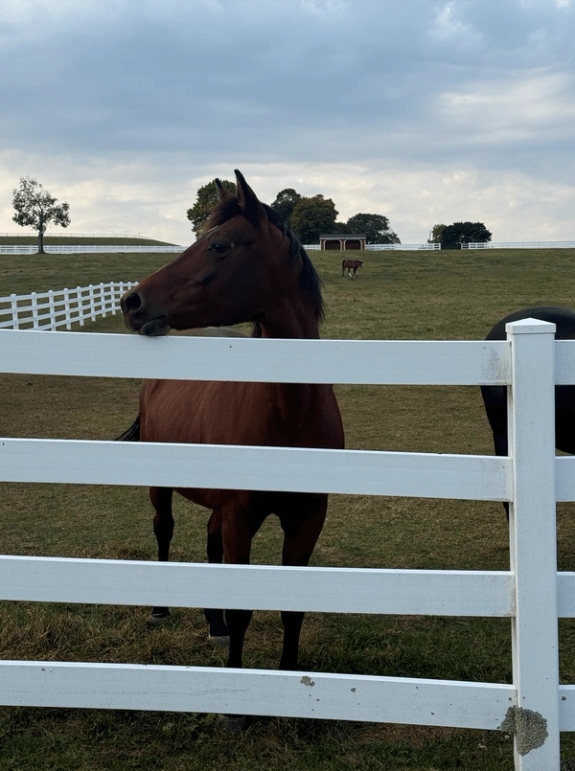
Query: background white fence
(387, 247)
(521, 245)
(402, 247)
(90, 249)
(488, 245)
(61, 308)
(534, 708)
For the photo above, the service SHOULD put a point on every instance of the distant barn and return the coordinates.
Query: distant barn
(342, 241)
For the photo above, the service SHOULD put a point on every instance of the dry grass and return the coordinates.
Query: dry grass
(398, 295)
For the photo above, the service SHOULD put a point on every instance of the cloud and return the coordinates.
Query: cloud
(124, 108)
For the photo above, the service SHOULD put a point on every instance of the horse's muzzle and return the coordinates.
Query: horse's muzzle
(155, 327)
(135, 317)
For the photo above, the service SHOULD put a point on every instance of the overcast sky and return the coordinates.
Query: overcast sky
(427, 111)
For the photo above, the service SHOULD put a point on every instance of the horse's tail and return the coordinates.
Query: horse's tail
(342, 267)
(131, 434)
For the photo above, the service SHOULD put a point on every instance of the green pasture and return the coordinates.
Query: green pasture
(397, 295)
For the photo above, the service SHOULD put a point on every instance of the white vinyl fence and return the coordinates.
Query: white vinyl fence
(89, 249)
(521, 245)
(534, 708)
(387, 247)
(62, 308)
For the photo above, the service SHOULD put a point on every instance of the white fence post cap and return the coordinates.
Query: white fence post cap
(530, 327)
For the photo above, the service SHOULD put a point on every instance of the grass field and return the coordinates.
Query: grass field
(398, 295)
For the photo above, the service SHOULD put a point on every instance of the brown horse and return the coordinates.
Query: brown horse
(245, 267)
(351, 266)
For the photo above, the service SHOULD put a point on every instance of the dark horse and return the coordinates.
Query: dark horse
(351, 266)
(495, 397)
(245, 267)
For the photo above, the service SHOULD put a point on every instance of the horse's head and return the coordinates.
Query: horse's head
(238, 270)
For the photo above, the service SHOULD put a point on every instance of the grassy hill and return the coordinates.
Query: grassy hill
(62, 240)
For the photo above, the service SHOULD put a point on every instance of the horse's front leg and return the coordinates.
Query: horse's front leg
(218, 633)
(302, 529)
(161, 498)
(240, 522)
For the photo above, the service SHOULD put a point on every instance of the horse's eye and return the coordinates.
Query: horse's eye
(219, 248)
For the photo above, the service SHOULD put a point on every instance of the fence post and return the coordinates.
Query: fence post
(534, 722)
(14, 304)
(92, 303)
(103, 296)
(80, 305)
(34, 310)
(67, 308)
(52, 309)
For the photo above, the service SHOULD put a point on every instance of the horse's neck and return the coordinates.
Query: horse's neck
(290, 321)
(294, 400)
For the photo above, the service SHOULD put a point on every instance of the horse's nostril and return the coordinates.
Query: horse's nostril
(133, 302)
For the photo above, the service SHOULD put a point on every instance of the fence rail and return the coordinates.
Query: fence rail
(534, 708)
(62, 308)
(91, 249)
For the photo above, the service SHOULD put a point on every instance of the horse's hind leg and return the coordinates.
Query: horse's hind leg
(161, 498)
(218, 631)
(495, 400)
(301, 533)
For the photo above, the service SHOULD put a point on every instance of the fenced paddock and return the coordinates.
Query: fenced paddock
(532, 594)
(62, 308)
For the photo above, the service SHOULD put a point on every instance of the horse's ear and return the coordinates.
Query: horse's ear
(222, 192)
(248, 200)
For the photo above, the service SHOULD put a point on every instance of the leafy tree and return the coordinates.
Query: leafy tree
(464, 233)
(36, 208)
(375, 226)
(312, 216)
(284, 204)
(206, 199)
(436, 234)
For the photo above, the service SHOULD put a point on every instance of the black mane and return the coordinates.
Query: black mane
(309, 281)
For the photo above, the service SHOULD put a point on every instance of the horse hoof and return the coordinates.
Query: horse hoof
(233, 723)
(158, 615)
(219, 642)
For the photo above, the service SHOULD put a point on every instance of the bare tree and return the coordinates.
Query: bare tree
(35, 207)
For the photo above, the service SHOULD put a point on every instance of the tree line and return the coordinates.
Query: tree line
(307, 216)
(311, 216)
